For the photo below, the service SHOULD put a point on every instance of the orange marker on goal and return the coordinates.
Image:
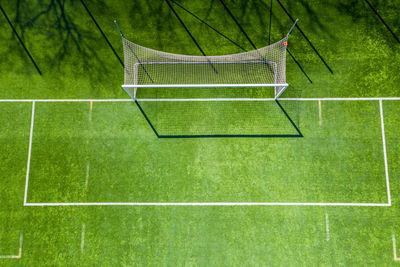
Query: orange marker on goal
(285, 43)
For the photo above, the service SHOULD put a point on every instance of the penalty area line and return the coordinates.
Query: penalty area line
(87, 142)
(206, 204)
(29, 153)
(384, 153)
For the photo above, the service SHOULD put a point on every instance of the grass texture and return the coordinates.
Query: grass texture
(108, 152)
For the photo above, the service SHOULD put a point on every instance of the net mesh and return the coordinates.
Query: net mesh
(265, 66)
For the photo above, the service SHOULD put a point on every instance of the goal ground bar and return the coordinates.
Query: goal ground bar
(204, 85)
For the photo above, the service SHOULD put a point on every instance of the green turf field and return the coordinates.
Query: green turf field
(88, 177)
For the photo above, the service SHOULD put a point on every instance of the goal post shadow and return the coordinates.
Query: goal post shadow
(298, 133)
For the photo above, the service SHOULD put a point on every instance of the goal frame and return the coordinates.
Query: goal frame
(135, 86)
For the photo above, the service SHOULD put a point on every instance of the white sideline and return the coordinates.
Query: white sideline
(207, 99)
(19, 251)
(29, 152)
(207, 204)
(384, 152)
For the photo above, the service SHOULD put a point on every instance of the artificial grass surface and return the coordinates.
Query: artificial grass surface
(338, 161)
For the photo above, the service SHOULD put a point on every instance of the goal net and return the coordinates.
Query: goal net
(148, 68)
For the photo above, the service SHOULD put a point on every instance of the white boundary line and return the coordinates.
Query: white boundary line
(29, 153)
(384, 152)
(19, 251)
(207, 99)
(209, 203)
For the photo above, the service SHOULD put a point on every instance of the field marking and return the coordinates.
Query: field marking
(384, 153)
(327, 226)
(394, 249)
(19, 251)
(342, 99)
(265, 99)
(320, 112)
(87, 142)
(87, 174)
(213, 203)
(29, 152)
(66, 100)
(83, 238)
(206, 99)
(207, 204)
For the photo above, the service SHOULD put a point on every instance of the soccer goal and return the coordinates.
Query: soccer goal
(211, 96)
(148, 68)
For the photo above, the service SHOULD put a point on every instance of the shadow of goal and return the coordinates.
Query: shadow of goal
(221, 118)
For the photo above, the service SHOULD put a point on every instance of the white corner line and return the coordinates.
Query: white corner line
(19, 251)
(327, 227)
(29, 153)
(206, 204)
(384, 153)
(394, 248)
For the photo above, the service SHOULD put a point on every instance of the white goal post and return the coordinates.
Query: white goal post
(148, 68)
